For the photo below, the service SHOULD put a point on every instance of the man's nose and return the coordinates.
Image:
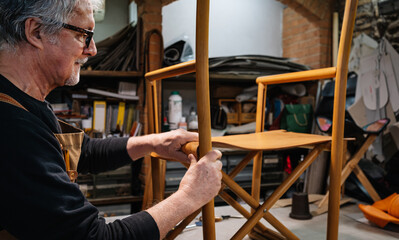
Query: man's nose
(92, 49)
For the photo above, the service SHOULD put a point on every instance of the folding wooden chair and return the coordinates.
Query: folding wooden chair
(352, 166)
(265, 141)
(363, 136)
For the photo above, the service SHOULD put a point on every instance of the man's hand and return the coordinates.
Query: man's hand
(199, 185)
(202, 181)
(169, 144)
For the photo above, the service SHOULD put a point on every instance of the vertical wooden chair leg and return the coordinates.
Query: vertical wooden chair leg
(157, 180)
(148, 192)
(339, 118)
(335, 188)
(203, 104)
(256, 176)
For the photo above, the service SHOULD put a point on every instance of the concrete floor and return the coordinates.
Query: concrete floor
(352, 226)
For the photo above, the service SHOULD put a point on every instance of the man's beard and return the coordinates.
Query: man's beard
(75, 76)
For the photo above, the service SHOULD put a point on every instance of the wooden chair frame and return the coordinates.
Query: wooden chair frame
(200, 66)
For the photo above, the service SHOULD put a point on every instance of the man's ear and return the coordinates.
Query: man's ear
(32, 32)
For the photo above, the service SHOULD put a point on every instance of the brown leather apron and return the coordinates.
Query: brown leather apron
(70, 140)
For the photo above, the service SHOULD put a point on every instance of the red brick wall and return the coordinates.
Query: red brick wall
(307, 32)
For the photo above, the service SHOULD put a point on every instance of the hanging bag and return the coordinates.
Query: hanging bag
(297, 118)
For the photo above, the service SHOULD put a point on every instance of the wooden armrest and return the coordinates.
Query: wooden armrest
(188, 148)
(322, 73)
(171, 71)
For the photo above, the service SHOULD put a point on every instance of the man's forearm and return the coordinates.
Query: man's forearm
(138, 147)
(171, 211)
(199, 185)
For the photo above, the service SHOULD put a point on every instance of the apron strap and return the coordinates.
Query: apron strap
(7, 99)
(73, 174)
(4, 235)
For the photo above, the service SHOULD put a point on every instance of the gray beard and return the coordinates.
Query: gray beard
(75, 76)
(73, 79)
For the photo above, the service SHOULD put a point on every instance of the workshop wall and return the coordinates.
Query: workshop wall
(307, 32)
(237, 27)
(115, 18)
(377, 21)
(307, 27)
(150, 12)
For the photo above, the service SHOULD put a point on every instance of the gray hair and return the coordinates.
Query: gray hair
(14, 13)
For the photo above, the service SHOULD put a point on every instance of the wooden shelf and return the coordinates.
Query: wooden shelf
(112, 95)
(238, 117)
(96, 73)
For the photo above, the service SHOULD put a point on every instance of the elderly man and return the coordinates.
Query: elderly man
(42, 45)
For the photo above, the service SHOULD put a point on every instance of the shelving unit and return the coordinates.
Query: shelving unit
(120, 181)
(115, 200)
(97, 73)
(238, 116)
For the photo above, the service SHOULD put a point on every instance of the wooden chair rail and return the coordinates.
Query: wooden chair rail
(323, 73)
(171, 71)
(188, 148)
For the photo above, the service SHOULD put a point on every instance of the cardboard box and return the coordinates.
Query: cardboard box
(247, 117)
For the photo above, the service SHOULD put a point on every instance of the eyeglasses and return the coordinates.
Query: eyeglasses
(89, 34)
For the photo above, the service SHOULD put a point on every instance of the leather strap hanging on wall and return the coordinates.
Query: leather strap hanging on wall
(150, 64)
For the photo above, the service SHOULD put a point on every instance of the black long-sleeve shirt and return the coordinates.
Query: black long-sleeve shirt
(38, 201)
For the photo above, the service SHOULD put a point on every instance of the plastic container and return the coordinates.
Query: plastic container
(175, 110)
(165, 125)
(183, 124)
(192, 121)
